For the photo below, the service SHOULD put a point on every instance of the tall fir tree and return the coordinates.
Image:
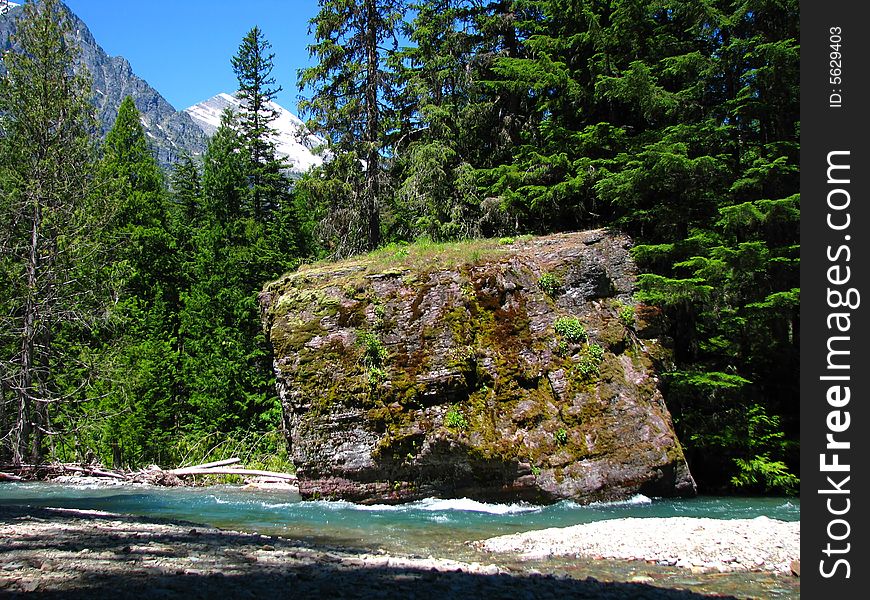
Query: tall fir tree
(186, 189)
(143, 406)
(226, 364)
(253, 65)
(440, 124)
(351, 88)
(51, 260)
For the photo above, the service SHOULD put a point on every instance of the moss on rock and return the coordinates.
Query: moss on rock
(474, 339)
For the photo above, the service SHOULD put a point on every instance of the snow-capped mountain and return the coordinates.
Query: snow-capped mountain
(290, 140)
(171, 133)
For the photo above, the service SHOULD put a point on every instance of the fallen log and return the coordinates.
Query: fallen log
(9, 477)
(234, 471)
(209, 465)
(93, 472)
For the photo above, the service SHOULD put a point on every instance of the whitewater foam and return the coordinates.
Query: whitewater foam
(633, 501)
(469, 505)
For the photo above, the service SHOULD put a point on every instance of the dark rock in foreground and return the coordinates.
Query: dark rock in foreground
(518, 371)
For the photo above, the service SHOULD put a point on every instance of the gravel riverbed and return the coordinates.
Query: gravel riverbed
(712, 544)
(66, 553)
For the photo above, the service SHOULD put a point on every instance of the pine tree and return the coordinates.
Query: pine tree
(225, 363)
(464, 118)
(253, 66)
(50, 256)
(224, 171)
(441, 121)
(143, 406)
(186, 189)
(351, 87)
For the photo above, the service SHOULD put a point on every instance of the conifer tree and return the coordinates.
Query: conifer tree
(143, 405)
(253, 66)
(351, 87)
(225, 364)
(187, 189)
(439, 119)
(50, 256)
(223, 175)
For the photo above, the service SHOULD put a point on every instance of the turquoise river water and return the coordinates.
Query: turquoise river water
(429, 527)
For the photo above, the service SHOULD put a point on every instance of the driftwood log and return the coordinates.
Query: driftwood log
(239, 471)
(153, 474)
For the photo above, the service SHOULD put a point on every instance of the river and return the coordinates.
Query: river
(433, 527)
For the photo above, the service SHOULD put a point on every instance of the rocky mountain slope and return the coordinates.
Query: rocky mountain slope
(495, 371)
(172, 133)
(290, 142)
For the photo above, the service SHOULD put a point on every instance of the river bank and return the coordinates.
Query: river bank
(368, 551)
(73, 553)
(759, 544)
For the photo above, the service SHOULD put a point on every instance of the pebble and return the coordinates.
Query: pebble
(697, 544)
(168, 558)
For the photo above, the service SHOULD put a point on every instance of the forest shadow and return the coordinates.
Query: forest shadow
(124, 564)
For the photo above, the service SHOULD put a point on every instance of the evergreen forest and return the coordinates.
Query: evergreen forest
(129, 327)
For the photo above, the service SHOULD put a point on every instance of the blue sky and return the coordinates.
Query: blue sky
(183, 47)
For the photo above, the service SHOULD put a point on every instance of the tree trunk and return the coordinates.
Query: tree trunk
(21, 435)
(371, 213)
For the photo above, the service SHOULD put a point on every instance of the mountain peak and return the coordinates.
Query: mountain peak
(291, 141)
(172, 133)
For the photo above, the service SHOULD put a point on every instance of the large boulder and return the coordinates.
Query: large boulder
(511, 370)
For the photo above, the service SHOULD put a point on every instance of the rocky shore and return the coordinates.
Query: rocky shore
(695, 543)
(64, 553)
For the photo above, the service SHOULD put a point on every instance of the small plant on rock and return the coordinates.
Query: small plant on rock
(626, 316)
(561, 436)
(550, 284)
(374, 352)
(376, 376)
(455, 419)
(595, 351)
(590, 361)
(571, 329)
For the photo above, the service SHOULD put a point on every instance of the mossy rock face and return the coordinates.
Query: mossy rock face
(440, 372)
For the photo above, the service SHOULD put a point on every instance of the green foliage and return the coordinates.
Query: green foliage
(758, 470)
(376, 376)
(626, 316)
(374, 352)
(350, 89)
(571, 329)
(266, 450)
(143, 409)
(762, 473)
(589, 363)
(550, 284)
(595, 352)
(561, 436)
(253, 64)
(454, 419)
(55, 289)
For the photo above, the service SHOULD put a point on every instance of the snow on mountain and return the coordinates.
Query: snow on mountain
(290, 142)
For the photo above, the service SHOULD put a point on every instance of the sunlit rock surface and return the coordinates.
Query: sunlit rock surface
(460, 371)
